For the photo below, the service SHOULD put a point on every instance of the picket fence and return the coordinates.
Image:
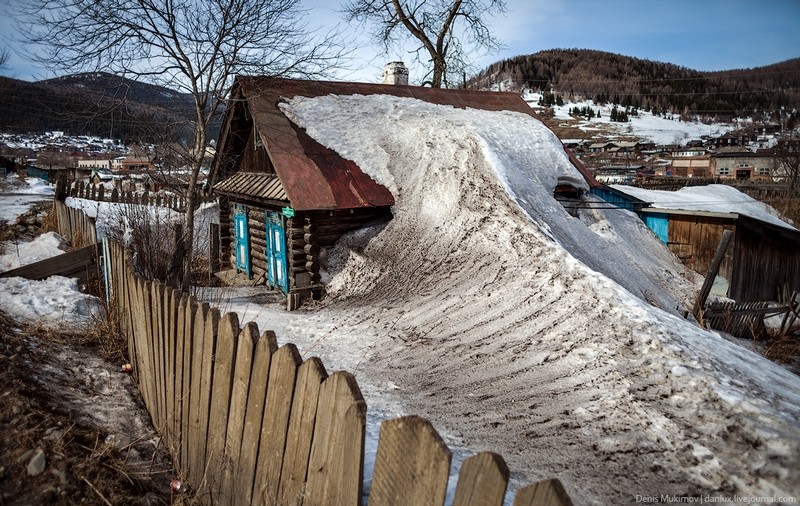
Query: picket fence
(247, 422)
(74, 225)
(80, 189)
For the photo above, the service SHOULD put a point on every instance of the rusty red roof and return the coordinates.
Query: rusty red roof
(315, 177)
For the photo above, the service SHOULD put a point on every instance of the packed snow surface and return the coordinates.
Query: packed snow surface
(515, 327)
(18, 195)
(716, 198)
(54, 303)
(42, 247)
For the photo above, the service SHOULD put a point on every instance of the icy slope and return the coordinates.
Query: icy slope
(498, 318)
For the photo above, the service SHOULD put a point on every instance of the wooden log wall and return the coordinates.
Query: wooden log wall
(248, 422)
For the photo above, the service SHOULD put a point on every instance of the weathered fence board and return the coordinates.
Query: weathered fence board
(544, 493)
(282, 377)
(482, 481)
(80, 263)
(412, 464)
(301, 429)
(336, 464)
(266, 347)
(242, 367)
(222, 383)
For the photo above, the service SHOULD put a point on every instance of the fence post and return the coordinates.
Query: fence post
(544, 493)
(336, 463)
(482, 481)
(412, 464)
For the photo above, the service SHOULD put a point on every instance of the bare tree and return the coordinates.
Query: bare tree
(4, 57)
(787, 163)
(447, 30)
(191, 46)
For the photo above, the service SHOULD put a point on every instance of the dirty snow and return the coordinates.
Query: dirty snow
(42, 247)
(716, 198)
(17, 195)
(484, 306)
(53, 303)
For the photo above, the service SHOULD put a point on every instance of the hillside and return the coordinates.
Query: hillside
(578, 74)
(97, 104)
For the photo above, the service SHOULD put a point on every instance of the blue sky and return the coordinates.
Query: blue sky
(698, 34)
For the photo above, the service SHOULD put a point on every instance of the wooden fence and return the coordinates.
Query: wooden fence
(248, 422)
(79, 189)
(74, 225)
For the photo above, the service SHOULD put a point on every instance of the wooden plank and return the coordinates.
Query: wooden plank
(210, 333)
(712, 272)
(196, 467)
(185, 399)
(265, 348)
(183, 315)
(242, 369)
(544, 493)
(412, 464)
(336, 464)
(482, 481)
(173, 377)
(282, 377)
(221, 387)
(301, 431)
(157, 345)
(80, 263)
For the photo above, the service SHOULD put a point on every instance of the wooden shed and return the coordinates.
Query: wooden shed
(761, 264)
(283, 196)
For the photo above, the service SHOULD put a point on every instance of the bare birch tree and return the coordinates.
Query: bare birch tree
(191, 46)
(447, 31)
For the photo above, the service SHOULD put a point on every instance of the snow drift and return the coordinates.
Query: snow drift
(520, 329)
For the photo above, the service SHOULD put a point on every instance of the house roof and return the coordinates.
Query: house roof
(315, 177)
(251, 184)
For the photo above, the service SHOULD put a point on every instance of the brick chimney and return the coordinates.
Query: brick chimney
(395, 73)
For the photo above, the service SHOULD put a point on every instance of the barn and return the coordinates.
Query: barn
(762, 262)
(284, 197)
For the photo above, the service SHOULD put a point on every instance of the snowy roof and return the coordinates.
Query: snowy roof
(316, 177)
(715, 198)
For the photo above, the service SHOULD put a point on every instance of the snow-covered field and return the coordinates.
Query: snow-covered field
(17, 196)
(657, 129)
(514, 327)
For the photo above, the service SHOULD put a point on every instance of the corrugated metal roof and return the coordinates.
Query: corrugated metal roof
(251, 184)
(315, 177)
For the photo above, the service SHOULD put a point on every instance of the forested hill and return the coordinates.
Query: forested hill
(607, 77)
(97, 104)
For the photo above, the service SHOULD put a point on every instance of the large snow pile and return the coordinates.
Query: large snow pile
(484, 306)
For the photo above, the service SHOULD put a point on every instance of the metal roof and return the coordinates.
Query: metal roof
(315, 177)
(251, 184)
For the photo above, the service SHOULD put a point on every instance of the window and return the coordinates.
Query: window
(763, 171)
(724, 171)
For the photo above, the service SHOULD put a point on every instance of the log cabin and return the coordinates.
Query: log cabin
(284, 197)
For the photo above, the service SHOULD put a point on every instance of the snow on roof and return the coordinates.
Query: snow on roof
(715, 198)
(503, 319)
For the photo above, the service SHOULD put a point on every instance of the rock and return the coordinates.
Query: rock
(25, 456)
(37, 464)
(53, 434)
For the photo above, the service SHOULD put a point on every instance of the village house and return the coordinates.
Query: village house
(744, 165)
(762, 263)
(284, 197)
(690, 161)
